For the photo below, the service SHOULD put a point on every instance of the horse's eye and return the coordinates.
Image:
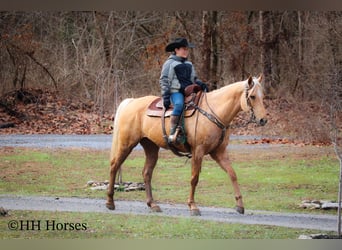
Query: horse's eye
(252, 97)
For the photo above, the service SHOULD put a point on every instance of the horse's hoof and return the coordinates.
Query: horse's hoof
(156, 209)
(110, 206)
(240, 210)
(195, 212)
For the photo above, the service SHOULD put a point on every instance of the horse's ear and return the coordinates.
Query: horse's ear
(261, 76)
(250, 82)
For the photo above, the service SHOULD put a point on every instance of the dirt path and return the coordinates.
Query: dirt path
(226, 215)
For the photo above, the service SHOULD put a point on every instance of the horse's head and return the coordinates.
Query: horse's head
(252, 99)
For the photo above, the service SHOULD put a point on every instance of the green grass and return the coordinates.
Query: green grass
(268, 180)
(274, 180)
(281, 185)
(105, 226)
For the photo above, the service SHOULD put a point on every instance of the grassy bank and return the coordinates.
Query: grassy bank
(275, 180)
(105, 226)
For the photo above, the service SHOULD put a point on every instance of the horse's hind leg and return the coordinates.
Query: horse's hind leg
(151, 153)
(114, 167)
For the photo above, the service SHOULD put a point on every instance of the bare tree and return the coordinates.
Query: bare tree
(271, 28)
(335, 97)
(106, 56)
(209, 48)
(266, 52)
(17, 40)
(335, 100)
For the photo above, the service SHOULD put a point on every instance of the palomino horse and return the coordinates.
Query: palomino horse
(205, 136)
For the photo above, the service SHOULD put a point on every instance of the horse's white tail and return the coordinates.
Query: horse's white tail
(116, 128)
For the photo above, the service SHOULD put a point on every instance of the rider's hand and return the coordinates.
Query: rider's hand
(166, 103)
(203, 85)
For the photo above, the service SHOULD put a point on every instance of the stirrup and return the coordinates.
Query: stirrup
(173, 137)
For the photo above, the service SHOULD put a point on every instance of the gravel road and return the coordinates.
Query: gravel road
(103, 142)
(305, 221)
(57, 141)
(89, 141)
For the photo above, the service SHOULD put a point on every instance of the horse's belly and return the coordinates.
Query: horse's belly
(152, 129)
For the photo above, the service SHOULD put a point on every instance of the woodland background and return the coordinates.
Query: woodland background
(54, 63)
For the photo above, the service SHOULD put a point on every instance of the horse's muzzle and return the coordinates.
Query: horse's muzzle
(262, 121)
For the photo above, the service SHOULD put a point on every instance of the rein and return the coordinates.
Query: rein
(252, 117)
(212, 117)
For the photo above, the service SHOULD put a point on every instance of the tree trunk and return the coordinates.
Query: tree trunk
(206, 46)
(102, 33)
(335, 96)
(244, 73)
(183, 19)
(209, 51)
(214, 66)
(339, 200)
(265, 25)
(300, 52)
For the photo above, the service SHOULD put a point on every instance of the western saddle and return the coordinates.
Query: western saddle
(192, 96)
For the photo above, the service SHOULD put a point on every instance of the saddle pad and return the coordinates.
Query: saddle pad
(192, 94)
(156, 108)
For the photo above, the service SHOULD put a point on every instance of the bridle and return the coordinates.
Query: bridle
(216, 120)
(213, 118)
(249, 105)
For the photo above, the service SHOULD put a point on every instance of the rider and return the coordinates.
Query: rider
(177, 73)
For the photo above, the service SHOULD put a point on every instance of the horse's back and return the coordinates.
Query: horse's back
(132, 121)
(141, 103)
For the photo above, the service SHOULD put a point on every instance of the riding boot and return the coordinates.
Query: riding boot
(173, 127)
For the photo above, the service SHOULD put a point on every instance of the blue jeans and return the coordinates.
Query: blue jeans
(177, 100)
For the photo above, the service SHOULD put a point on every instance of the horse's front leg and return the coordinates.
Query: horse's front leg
(196, 163)
(221, 157)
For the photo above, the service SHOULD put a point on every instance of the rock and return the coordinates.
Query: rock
(103, 187)
(304, 237)
(318, 236)
(310, 205)
(329, 205)
(128, 189)
(3, 212)
(125, 186)
(90, 183)
(318, 204)
(135, 187)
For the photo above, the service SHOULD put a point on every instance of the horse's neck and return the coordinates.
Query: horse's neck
(226, 101)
